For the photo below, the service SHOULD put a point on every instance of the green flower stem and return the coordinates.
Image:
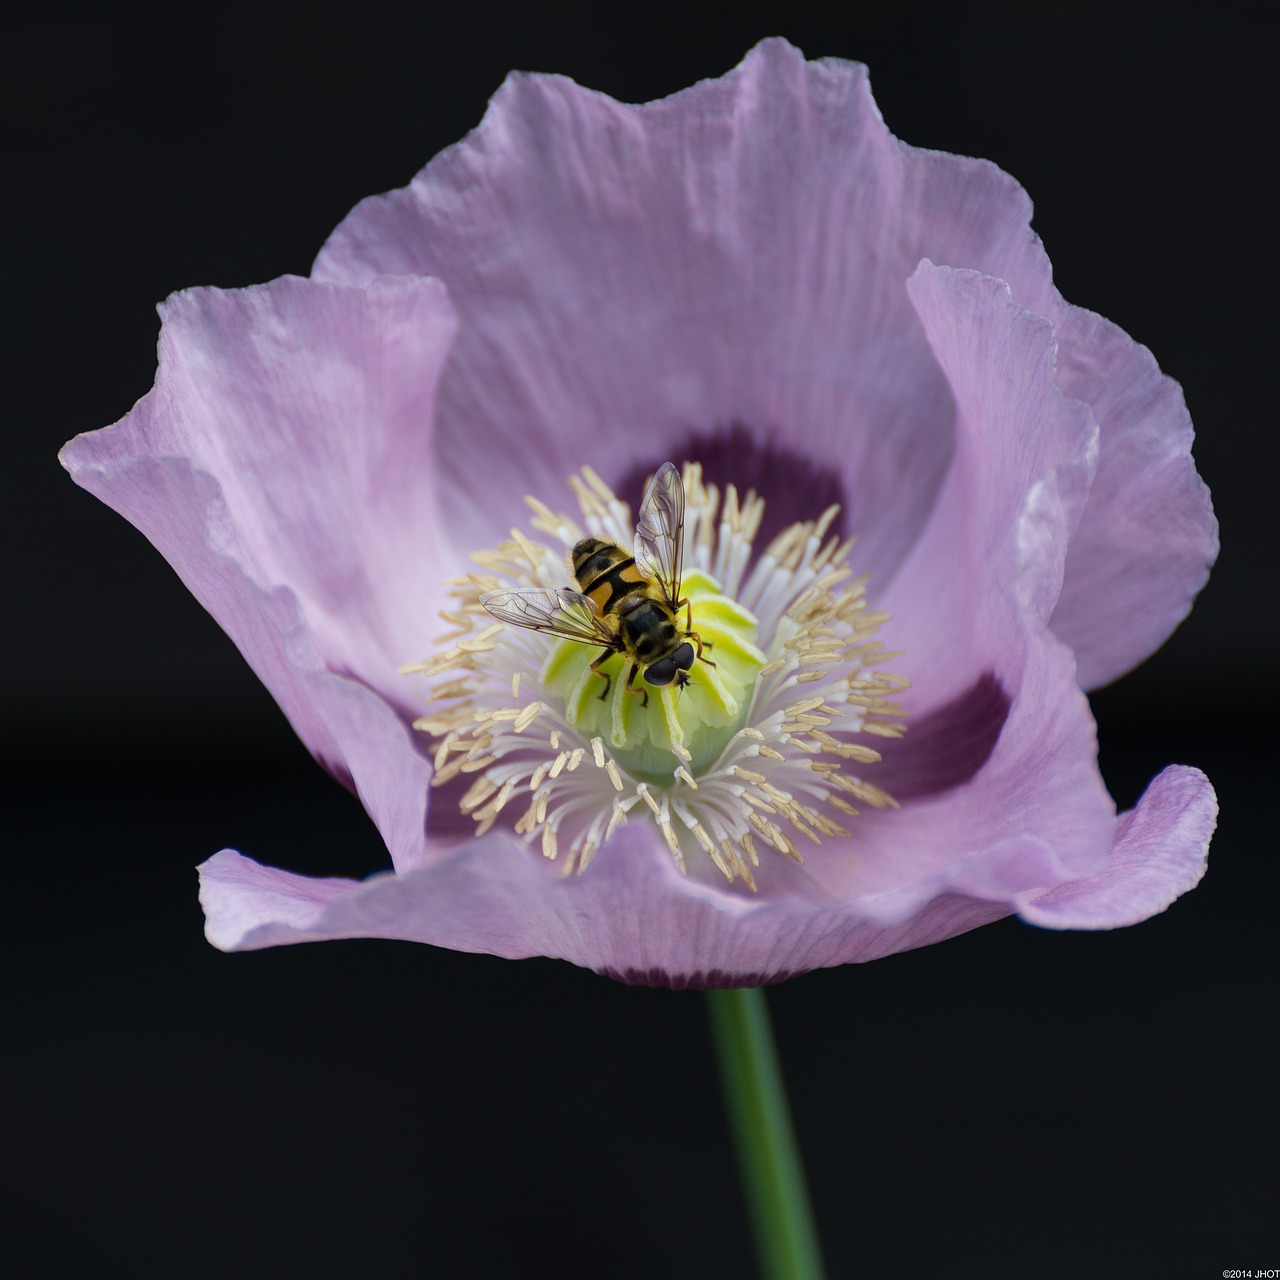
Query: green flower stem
(768, 1157)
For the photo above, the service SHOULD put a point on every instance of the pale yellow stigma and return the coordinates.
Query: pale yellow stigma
(759, 748)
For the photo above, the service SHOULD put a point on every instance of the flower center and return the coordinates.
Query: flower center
(644, 732)
(726, 706)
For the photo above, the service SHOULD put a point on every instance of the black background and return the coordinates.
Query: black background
(1014, 1102)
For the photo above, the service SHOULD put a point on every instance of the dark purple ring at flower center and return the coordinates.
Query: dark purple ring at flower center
(794, 487)
(945, 747)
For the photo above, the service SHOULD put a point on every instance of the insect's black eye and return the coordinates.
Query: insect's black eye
(683, 656)
(662, 671)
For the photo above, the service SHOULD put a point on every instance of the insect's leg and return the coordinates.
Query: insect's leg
(631, 675)
(691, 634)
(604, 675)
(701, 645)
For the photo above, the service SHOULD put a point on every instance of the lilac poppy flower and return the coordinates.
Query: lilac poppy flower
(755, 278)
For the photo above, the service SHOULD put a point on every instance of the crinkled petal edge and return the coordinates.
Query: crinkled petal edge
(634, 919)
(1159, 853)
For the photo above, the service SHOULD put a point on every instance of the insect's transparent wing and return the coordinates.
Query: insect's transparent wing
(659, 546)
(564, 613)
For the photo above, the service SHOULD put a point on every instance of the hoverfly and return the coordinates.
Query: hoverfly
(629, 603)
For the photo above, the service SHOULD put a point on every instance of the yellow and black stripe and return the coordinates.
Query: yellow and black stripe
(647, 627)
(606, 574)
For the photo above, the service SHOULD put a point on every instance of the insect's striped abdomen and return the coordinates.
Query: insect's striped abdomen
(606, 574)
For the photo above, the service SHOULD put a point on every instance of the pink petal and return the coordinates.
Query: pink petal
(1148, 535)
(304, 415)
(632, 918)
(989, 564)
(631, 281)
(1035, 813)
(969, 608)
(1160, 852)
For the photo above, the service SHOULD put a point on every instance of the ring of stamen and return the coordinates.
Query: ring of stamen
(757, 751)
